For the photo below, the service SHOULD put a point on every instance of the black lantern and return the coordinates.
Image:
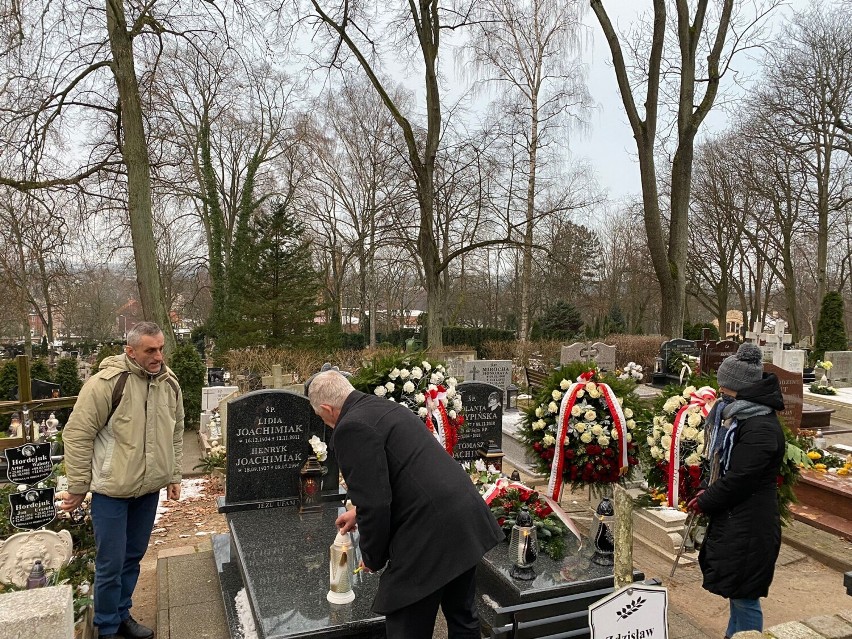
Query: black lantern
(512, 397)
(523, 547)
(602, 535)
(310, 485)
(492, 455)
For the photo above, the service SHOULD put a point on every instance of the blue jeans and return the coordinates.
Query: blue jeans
(122, 530)
(745, 615)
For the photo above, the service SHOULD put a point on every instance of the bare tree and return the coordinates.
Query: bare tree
(529, 50)
(696, 25)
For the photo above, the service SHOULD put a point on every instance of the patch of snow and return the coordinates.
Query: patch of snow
(189, 488)
(246, 619)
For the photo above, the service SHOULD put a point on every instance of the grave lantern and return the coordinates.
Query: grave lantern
(492, 455)
(658, 364)
(341, 566)
(37, 577)
(602, 533)
(511, 397)
(523, 547)
(310, 484)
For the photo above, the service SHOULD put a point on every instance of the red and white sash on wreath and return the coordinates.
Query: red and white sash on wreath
(435, 398)
(563, 428)
(703, 397)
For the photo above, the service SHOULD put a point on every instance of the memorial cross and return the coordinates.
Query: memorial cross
(25, 404)
(474, 370)
(589, 352)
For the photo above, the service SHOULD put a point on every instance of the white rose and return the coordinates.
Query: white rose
(420, 398)
(631, 424)
(580, 393)
(595, 394)
(657, 420)
(394, 373)
(629, 437)
(457, 403)
(614, 433)
(580, 428)
(688, 391)
(452, 381)
(416, 373)
(381, 391)
(690, 433)
(408, 387)
(426, 366)
(603, 440)
(478, 464)
(539, 412)
(700, 437)
(597, 429)
(548, 440)
(694, 420)
(452, 414)
(667, 429)
(656, 453)
(666, 442)
(404, 373)
(656, 432)
(590, 415)
(620, 401)
(672, 404)
(390, 386)
(590, 386)
(451, 392)
(564, 384)
(628, 413)
(693, 460)
(586, 438)
(553, 408)
(651, 441)
(423, 411)
(576, 411)
(556, 395)
(539, 424)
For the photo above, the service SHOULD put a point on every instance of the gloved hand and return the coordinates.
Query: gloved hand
(692, 504)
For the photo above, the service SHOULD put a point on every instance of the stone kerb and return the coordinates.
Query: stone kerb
(661, 531)
(38, 613)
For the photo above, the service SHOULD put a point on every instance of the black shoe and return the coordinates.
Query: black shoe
(132, 629)
(100, 636)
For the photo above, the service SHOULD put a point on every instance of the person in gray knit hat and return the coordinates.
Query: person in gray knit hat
(745, 445)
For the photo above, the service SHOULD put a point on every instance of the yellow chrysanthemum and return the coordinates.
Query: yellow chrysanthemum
(814, 455)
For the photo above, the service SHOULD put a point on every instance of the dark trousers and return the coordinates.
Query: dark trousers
(457, 601)
(122, 530)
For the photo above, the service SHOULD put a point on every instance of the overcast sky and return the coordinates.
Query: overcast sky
(609, 145)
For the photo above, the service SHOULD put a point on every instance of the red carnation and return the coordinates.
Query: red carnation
(593, 449)
(608, 452)
(501, 521)
(569, 454)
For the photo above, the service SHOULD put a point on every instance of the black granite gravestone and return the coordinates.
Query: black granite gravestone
(483, 419)
(671, 351)
(267, 442)
(716, 353)
(32, 509)
(28, 464)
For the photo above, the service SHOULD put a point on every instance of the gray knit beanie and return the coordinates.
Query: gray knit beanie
(743, 369)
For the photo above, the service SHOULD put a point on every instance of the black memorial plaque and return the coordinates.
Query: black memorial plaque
(677, 346)
(267, 442)
(32, 508)
(716, 354)
(28, 464)
(483, 419)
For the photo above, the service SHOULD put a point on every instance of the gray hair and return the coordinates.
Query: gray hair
(329, 387)
(134, 336)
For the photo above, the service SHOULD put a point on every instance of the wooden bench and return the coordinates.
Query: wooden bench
(556, 618)
(535, 380)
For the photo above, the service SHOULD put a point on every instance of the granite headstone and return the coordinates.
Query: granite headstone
(483, 419)
(603, 355)
(716, 353)
(32, 508)
(841, 369)
(28, 464)
(792, 393)
(491, 371)
(267, 443)
(793, 360)
(212, 395)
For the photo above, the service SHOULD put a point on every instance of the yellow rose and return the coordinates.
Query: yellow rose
(590, 415)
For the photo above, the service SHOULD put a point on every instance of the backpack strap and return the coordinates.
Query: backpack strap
(117, 393)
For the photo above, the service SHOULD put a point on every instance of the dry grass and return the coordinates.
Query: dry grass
(541, 355)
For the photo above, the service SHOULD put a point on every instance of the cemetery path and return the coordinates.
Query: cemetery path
(189, 523)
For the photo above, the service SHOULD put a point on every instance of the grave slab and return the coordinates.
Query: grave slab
(38, 613)
(830, 626)
(287, 581)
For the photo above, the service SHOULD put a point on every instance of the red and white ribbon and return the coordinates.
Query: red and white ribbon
(703, 398)
(436, 399)
(620, 424)
(563, 428)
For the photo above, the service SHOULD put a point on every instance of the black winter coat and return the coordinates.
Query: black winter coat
(417, 509)
(744, 534)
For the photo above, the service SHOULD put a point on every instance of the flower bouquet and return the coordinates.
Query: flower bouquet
(420, 385)
(675, 440)
(506, 498)
(580, 428)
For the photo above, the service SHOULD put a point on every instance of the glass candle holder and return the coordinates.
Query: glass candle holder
(341, 566)
(523, 547)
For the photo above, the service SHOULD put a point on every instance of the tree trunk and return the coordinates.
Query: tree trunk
(134, 151)
(526, 278)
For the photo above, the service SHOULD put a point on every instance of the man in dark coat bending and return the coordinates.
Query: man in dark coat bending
(745, 445)
(418, 514)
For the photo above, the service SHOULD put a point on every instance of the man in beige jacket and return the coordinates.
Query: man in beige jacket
(123, 442)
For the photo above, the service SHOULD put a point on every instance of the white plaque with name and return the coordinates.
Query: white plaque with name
(212, 395)
(635, 612)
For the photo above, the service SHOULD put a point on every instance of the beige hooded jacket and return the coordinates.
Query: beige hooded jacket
(139, 451)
